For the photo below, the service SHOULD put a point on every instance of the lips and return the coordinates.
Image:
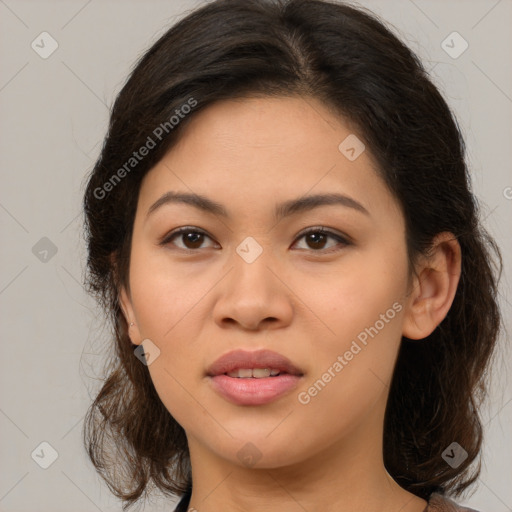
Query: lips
(242, 359)
(253, 378)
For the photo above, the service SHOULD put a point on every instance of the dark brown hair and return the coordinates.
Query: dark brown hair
(347, 59)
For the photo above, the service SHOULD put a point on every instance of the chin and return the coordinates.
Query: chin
(259, 451)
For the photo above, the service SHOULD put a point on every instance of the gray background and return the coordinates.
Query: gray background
(54, 115)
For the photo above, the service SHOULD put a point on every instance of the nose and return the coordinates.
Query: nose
(254, 296)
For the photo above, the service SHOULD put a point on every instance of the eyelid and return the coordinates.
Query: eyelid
(178, 231)
(326, 231)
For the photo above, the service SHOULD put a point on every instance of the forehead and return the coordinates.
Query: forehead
(256, 150)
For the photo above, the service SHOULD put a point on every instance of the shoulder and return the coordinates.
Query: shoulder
(440, 503)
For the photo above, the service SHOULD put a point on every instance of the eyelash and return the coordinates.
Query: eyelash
(318, 230)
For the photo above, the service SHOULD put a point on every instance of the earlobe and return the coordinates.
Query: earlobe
(434, 287)
(127, 308)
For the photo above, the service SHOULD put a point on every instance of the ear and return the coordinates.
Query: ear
(129, 315)
(433, 288)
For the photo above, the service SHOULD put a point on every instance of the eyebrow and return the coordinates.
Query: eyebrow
(282, 210)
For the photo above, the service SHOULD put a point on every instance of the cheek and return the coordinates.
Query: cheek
(353, 297)
(167, 300)
(164, 295)
(353, 367)
(361, 309)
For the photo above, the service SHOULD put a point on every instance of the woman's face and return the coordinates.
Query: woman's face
(250, 279)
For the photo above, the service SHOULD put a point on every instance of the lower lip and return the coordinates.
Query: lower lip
(251, 391)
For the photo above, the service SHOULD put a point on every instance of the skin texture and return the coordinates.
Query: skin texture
(296, 298)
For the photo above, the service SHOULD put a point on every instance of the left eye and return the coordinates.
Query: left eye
(317, 237)
(192, 239)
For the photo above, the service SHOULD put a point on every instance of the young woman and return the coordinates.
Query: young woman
(281, 228)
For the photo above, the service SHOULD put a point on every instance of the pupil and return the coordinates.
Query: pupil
(317, 239)
(193, 238)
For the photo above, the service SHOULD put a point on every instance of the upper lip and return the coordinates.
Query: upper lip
(257, 359)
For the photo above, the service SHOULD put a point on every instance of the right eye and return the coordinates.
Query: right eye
(191, 238)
